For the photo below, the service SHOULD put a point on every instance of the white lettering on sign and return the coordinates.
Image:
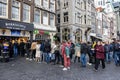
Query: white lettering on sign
(14, 24)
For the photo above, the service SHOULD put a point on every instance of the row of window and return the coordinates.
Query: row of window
(46, 4)
(101, 2)
(15, 13)
(45, 18)
(78, 18)
(66, 18)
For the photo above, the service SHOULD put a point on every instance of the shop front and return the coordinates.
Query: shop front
(14, 30)
(44, 32)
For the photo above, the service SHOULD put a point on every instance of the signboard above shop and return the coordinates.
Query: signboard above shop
(15, 25)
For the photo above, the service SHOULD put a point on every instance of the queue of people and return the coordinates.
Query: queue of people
(67, 52)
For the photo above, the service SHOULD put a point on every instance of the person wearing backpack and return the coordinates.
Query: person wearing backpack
(66, 56)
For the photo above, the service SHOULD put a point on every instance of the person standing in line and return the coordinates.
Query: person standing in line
(33, 50)
(53, 47)
(77, 52)
(93, 52)
(0, 48)
(66, 55)
(21, 46)
(107, 52)
(47, 51)
(57, 53)
(61, 57)
(42, 49)
(28, 45)
(116, 53)
(89, 53)
(15, 48)
(38, 53)
(71, 45)
(10, 49)
(84, 51)
(100, 55)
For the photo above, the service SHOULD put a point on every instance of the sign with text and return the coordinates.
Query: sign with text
(15, 25)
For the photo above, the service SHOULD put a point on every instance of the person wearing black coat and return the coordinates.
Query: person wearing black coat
(21, 46)
(84, 51)
(10, 49)
(27, 49)
(47, 51)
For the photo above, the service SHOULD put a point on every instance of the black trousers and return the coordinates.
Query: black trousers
(33, 53)
(57, 57)
(98, 62)
(22, 52)
(76, 57)
(62, 60)
(90, 58)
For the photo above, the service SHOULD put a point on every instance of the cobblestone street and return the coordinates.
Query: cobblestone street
(21, 69)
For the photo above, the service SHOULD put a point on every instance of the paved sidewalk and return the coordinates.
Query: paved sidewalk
(21, 69)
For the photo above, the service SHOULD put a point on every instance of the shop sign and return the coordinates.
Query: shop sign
(15, 25)
(41, 32)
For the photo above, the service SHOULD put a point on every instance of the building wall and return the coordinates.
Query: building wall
(31, 6)
(79, 14)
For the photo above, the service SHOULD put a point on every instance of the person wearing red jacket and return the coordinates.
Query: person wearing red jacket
(65, 55)
(100, 55)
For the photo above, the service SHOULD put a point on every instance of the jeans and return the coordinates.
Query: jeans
(15, 52)
(116, 57)
(83, 59)
(108, 56)
(47, 57)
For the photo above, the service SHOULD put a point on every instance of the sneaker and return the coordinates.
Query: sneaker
(61, 66)
(30, 59)
(27, 58)
(34, 59)
(89, 64)
(68, 68)
(95, 70)
(64, 69)
(38, 62)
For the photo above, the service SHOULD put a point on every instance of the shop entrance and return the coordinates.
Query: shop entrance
(13, 38)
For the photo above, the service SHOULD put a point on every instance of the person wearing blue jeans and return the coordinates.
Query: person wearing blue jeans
(117, 53)
(47, 57)
(83, 60)
(84, 51)
(107, 51)
(107, 57)
(117, 58)
(47, 47)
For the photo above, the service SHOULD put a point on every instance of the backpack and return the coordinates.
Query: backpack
(107, 48)
(67, 51)
(42, 47)
(116, 46)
